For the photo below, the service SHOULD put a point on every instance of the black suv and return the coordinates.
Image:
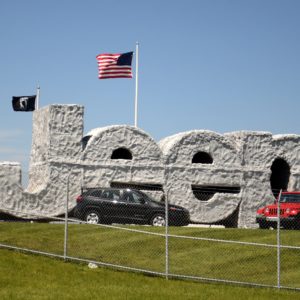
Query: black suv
(126, 206)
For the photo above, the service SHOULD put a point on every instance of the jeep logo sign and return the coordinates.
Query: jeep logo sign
(214, 176)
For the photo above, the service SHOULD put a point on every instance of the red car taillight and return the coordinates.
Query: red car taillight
(79, 199)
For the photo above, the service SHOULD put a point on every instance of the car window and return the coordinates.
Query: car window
(133, 197)
(96, 193)
(128, 197)
(294, 198)
(113, 195)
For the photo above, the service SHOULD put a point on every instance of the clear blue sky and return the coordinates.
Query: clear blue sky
(216, 64)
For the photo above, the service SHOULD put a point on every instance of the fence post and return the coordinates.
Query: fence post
(66, 221)
(167, 234)
(278, 240)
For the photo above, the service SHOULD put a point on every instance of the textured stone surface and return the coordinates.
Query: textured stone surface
(55, 160)
(181, 173)
(10, 176)
(99, 169)
(239, 160)
(258, 153)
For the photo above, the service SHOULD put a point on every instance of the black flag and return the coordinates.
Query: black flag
(24, 103)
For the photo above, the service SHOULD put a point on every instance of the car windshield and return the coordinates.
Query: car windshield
(291, 198)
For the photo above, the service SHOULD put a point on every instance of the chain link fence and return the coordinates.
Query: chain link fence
(116, 228)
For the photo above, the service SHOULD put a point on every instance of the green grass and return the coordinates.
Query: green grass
(245, 263)
(33, 277)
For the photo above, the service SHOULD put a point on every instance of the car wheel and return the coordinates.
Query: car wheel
(158, 220)
(92, 217)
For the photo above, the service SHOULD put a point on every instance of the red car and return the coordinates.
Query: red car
(267, 217)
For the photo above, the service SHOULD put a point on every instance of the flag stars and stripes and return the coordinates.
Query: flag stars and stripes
(114, 65)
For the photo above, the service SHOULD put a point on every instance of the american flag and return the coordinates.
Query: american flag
(114, 65)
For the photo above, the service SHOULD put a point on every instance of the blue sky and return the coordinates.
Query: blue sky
(217, 64)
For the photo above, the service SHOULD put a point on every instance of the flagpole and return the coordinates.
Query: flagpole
(136, 83)
(37, 97)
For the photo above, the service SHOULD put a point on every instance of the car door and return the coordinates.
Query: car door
(114, 204)
(137, 209)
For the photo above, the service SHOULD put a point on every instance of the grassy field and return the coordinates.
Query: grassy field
(246, 263)
(34, 277)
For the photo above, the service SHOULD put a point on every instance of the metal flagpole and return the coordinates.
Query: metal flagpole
(136, 83)
(37, 97)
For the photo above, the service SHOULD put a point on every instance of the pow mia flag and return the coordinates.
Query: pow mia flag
(24, 103)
